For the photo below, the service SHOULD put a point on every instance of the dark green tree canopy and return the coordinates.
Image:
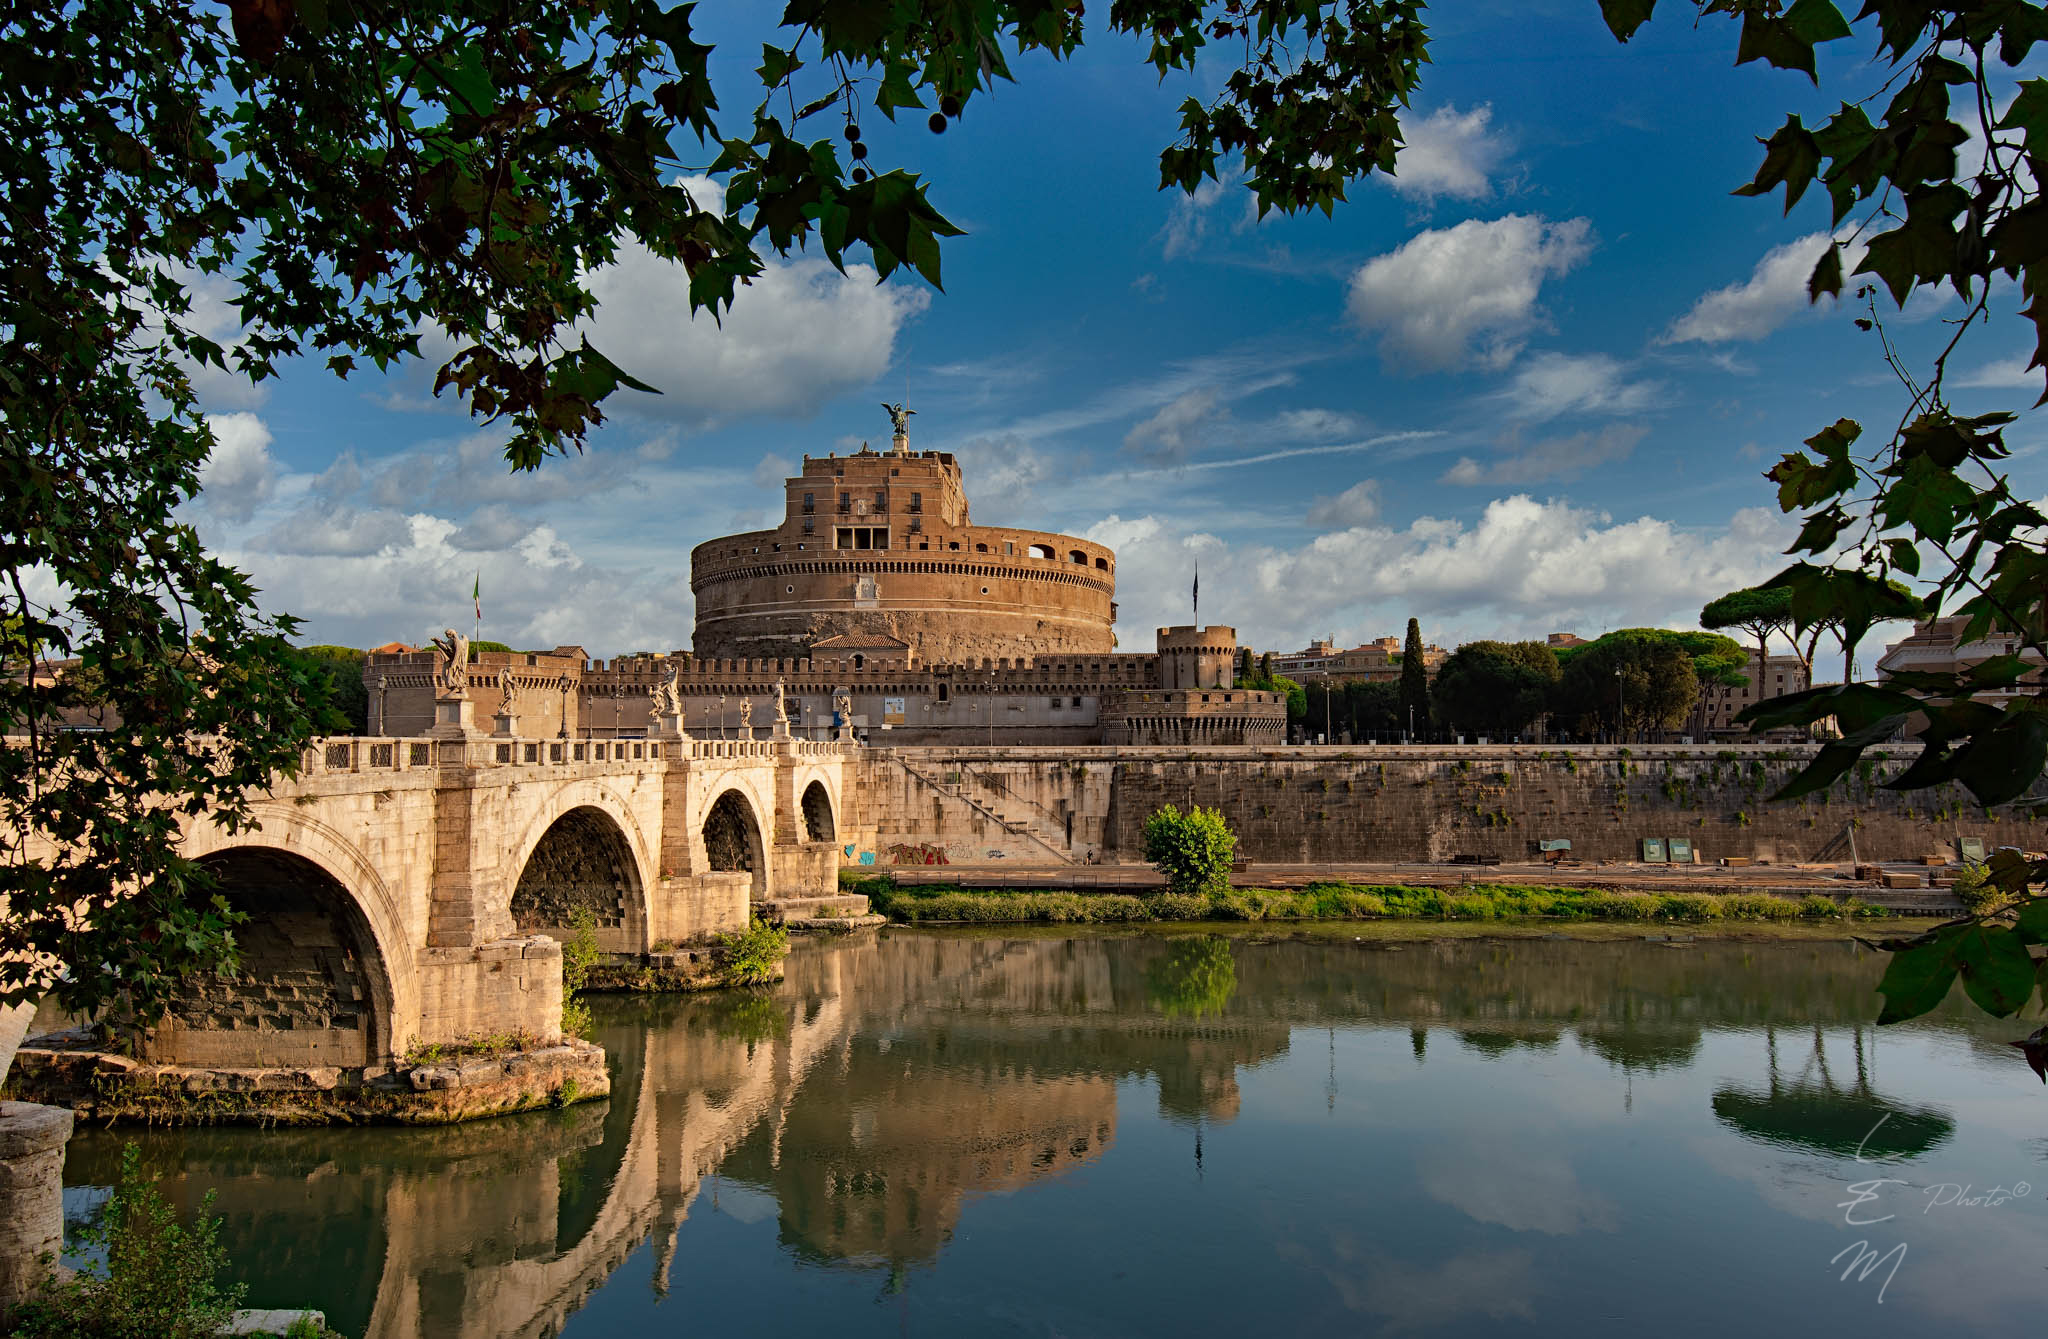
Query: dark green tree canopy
(1496, 688)
(1630, 681)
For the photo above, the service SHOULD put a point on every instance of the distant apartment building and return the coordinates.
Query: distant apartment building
(1713, 716)
(1937, 646)
(1563, 641)
(1375, 660)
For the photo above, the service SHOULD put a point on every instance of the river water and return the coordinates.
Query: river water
(1088, 1134)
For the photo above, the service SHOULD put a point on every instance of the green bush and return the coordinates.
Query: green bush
(1974, 889)
(1193, 850)
(159, 1273)
(753, 956)
(579, 955)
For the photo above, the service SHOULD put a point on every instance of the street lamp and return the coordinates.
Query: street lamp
(721, 715)
(1411, 723)
(1620, 711)
(563, 684)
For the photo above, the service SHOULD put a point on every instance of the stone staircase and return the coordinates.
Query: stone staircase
(1016, 816)
(836, 911)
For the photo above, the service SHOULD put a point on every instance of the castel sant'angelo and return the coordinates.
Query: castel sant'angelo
(878, 607)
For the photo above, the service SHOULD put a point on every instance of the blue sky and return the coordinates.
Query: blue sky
(1530, 384)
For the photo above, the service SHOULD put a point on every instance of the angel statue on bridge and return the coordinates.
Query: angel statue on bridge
(453, 670)
(667, 699)
(899, 419)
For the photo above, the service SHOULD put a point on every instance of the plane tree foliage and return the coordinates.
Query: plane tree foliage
(383, 180)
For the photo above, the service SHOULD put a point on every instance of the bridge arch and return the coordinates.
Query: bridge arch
(327, 975)
(582, 851)
(733, 838)
(818, 812)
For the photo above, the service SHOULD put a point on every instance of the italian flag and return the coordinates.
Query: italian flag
(476, 594)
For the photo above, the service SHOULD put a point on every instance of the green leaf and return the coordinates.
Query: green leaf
(1791, 158)
(2033, 921)
(1915, 981)
(1997, 970)
(1827, 274)
(1775, 41)
(1625, 16)
(1816, 21)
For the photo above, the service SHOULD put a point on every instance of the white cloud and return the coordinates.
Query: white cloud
(1316, 425)
(1522, 568)
(1449, 153)
(1356, 505)
(798, 335)
(334, 531)
(1551, 458)
(1179, 425)
(1774, 294)
(239, 476)
(771, 470)
(1517, 1189)
(1187, 218)
(1465, 293)
(2005, 374)
(1550, 384)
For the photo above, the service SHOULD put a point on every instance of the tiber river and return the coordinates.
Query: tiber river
(1082, 1134)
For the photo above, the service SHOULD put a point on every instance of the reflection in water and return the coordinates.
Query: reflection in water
(900, 1088)
(1810, 1111)
(1195, 977)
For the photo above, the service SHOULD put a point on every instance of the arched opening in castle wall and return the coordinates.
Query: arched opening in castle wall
(310, 989)
(582, 866)
(817, 807)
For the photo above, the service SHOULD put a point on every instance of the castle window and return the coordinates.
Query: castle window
(954, 545)
(810, 502)
(789, 590)
(846, 502)
(942, 690)
(984, 590)
(1041, 551)
(917, 502)
(810, 527)
(1009, 549)
(1056, 704)
(1078, 557)
(1102, 563)
(859, 660)
(981, 548)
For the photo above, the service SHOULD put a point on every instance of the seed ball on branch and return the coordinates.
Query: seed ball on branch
(858, 150)
(937, 123)
(852, 131)
(949, 105)
(860, 174)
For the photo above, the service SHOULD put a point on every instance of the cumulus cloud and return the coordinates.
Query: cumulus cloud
(771, 470)
(1774, 294)
(240, 475)
(1356, 505)
(1448, 152)
(1464, 294)
(318, 530)
(1550, 384)
(1522, 568)
(537, 591)
(798, 335)
(1180, 424)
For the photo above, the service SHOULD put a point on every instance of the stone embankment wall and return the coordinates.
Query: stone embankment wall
(1402, 804)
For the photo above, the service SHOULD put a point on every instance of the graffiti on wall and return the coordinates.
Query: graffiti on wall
(923, 853)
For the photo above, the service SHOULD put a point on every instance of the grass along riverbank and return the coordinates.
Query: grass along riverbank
(1338, 902)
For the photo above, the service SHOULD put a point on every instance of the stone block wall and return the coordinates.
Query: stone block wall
(1395, 804)
(509, 985)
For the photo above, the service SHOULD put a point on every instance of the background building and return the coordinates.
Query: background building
(875, 589)
(1378, 660)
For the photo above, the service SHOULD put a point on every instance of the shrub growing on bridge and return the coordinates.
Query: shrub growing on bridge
(753, 957)
(1193, 849)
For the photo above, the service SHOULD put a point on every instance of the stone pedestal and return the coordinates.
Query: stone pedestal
(31, 1195)
(454, 718)
(505, 725)
(668, 726)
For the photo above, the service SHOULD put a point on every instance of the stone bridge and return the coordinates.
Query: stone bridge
(409, 891)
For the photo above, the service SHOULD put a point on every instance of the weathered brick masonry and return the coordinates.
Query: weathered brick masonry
(1412, 804)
